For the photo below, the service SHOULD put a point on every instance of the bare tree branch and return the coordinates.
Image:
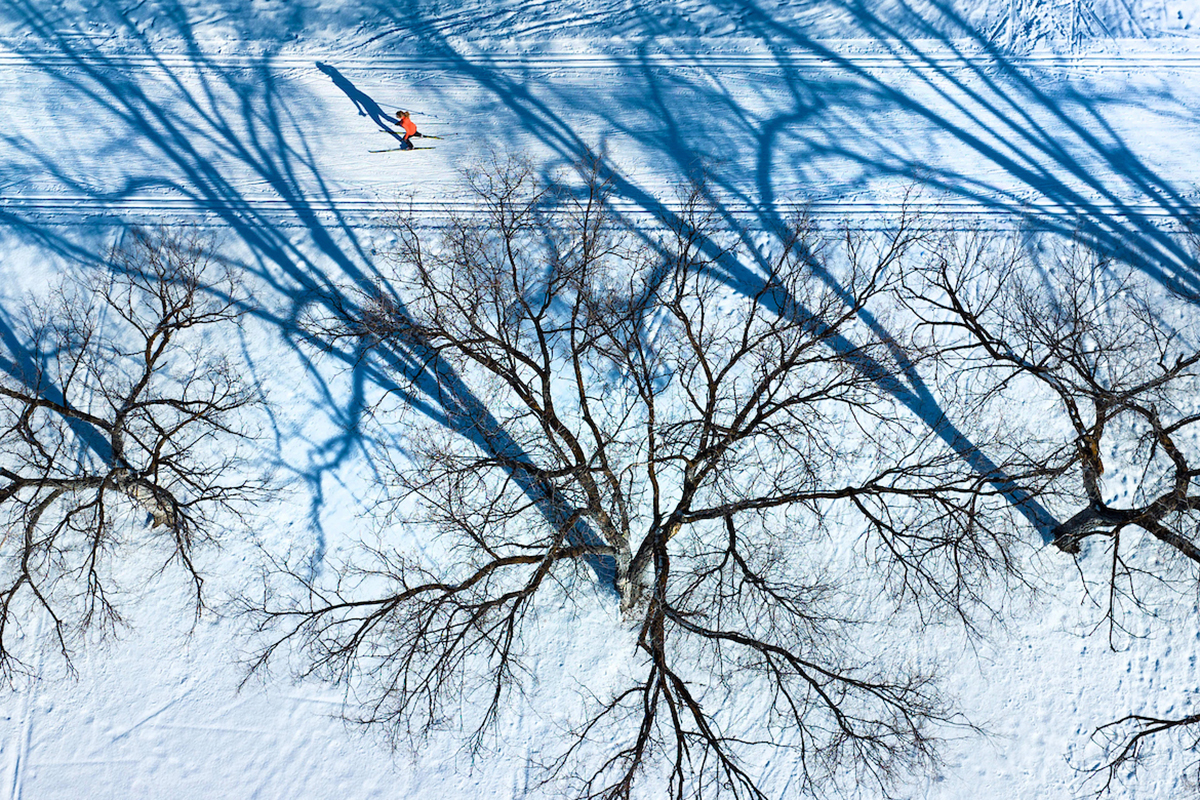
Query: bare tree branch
(127, 412)
(690, 431)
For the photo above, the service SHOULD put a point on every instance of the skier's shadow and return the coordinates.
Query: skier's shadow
(365, 105)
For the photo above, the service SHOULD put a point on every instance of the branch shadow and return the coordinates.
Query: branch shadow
(1033, 157)
(238, 114)
(1043, 160)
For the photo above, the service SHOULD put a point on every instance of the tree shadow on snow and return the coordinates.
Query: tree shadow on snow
(1049, 161)
(305, 254)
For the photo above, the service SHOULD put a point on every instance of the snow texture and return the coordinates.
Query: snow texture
(253, 118)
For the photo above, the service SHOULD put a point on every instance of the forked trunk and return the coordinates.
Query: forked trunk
(630, 582)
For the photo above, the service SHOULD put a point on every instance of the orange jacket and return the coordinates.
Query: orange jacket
(409, 126)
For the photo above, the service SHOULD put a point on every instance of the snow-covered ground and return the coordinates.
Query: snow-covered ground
(254, 118)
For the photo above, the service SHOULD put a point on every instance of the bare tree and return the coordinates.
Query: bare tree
(1118, 375)
(118, 411)
(1109, 359)
(1125, 742)
(615, 403)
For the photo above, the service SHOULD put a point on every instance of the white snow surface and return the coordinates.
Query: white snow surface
(240, 116)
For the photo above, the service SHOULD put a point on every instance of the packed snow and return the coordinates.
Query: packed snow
(253, 120)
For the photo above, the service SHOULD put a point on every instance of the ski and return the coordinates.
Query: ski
(399, 149)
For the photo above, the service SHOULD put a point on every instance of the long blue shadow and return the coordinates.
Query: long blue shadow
(992, 99)
(257, 132)
(366, 106)
(541, 119)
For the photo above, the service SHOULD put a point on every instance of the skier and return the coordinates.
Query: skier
(410, 129)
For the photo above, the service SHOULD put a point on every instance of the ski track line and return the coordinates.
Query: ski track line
(362, 212)
(21, 754)
(25, 731)
(932, 60)
(147, 717)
